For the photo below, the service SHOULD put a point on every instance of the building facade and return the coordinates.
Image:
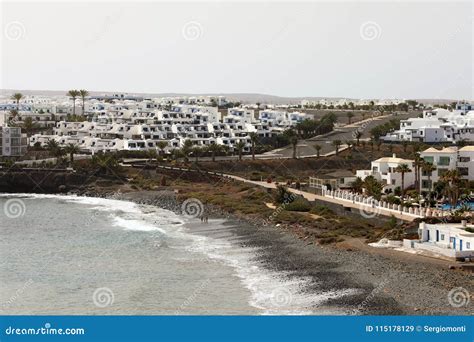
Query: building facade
(12, 142)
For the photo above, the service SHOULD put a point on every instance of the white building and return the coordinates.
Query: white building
(383, 170)
(450, 158)
(437, 125)
(13, 143)
(447, 239)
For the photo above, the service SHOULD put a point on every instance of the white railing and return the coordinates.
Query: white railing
(371, 204)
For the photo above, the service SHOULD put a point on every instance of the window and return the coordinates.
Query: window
(441, 172)
(428, 159)
(442, 236)
(444, 160)
(468, 245)
(463, 171)
(451, 239)
(425, 184)
(464, 159)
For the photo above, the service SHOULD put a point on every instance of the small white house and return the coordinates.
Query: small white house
(383, 169)
(447, 239)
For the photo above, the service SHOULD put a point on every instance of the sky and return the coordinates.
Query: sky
(300, 49)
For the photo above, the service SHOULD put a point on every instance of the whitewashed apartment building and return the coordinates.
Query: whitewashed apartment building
(130, 124)
(437, 126)
(450, 158)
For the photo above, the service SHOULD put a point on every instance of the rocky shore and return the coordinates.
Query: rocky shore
(386, 285)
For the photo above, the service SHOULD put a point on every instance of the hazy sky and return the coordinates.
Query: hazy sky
(340, 49)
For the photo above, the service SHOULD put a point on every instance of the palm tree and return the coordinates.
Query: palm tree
(428, 168)
(373, 187)
(186, 149)
(350, 115)
(83, 93)
(105, 163)
(357, 185)
(71, 149)
(17, 97)
(196, 151)
(358, 135)
(294, 143)
(52, 146)
(73, 94)
(239, 147)
(253, 141)
(318, 150)
(417, 164)
(336, 144)
(162, 144)
(453, 180)
(349, 144)
(403, 168)
(29, 126)
(214, 149)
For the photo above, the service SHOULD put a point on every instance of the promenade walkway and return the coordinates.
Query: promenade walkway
(368, 207)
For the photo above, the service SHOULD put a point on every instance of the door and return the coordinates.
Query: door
(428, 235)
(460, 245)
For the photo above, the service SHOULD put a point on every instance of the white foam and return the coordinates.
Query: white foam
(274, 293)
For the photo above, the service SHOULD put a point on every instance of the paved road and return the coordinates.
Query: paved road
(305, 148)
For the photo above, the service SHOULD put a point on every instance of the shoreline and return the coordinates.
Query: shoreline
(386, 285)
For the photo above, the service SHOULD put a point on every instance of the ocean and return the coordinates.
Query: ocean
(63, 255)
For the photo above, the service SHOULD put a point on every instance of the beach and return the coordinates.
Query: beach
(372, 282)
(177, 264)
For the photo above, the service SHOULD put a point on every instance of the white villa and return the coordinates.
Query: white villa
(383, 170)
(438, 125)
(448, 239)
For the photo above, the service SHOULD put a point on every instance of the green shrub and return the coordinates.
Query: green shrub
(299, 204)
(321, 210)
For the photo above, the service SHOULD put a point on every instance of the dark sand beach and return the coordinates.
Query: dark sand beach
(384, 284)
